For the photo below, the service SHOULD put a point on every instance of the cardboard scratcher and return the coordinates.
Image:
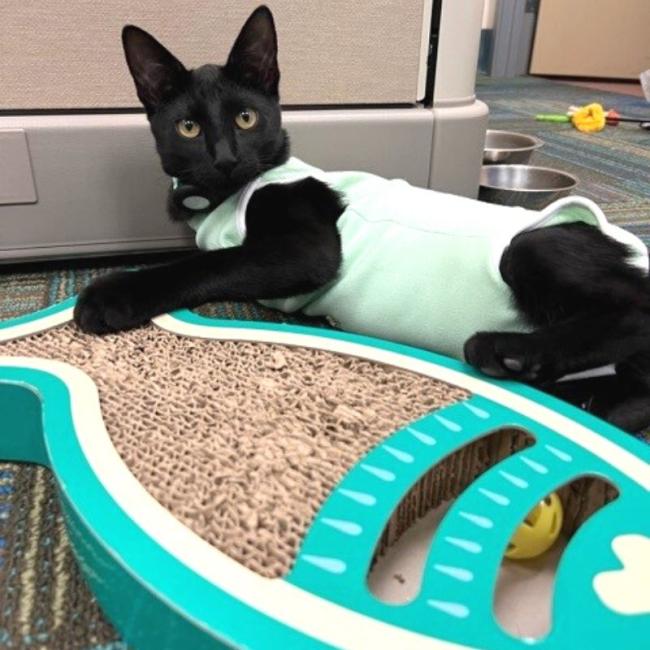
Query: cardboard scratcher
(231, 483)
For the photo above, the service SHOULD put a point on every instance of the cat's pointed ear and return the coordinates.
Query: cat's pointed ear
(157, 73)
(253, 59)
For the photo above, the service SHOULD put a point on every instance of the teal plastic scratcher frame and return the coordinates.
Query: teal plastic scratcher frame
(164, 587)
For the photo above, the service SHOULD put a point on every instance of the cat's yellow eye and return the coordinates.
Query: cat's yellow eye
(246, 119)
(188, 128)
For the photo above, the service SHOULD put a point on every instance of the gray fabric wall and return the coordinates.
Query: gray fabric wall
(67, 53)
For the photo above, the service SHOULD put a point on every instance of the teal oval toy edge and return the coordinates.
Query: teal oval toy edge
(157, 600)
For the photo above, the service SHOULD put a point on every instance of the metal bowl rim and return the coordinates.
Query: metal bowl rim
(537, 143)
(574, 180)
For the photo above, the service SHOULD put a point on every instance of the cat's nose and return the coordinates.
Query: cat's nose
(225, 166)
(224, 158)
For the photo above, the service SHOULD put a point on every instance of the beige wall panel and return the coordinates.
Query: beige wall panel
(592, 38)
(67, 53)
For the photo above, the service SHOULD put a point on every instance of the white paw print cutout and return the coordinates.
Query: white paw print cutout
(627, 590)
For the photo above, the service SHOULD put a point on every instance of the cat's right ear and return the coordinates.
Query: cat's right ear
(253, 59)
(157, 73)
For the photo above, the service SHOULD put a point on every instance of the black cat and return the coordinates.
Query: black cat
(218, 128)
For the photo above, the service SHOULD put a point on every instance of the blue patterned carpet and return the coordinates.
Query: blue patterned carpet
(613, 166)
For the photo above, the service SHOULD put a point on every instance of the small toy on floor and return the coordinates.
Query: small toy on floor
(592, 118)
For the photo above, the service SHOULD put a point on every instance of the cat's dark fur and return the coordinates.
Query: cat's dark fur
(573, 283)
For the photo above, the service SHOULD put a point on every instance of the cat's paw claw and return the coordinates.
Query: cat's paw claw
(516, 365)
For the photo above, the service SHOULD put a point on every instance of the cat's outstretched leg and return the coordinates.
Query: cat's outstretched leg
(588, 305)
(580, 343)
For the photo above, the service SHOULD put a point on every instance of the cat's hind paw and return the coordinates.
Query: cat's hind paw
(508, 356)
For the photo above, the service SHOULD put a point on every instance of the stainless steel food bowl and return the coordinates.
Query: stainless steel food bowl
(507, 147)
(530, 187)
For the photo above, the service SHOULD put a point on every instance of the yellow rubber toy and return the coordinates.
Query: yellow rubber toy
(590, 118)
(539, 531)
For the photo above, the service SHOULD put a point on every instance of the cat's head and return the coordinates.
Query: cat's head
(216, 127)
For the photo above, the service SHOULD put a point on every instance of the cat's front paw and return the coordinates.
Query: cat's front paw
(510, 356)
(112, 304)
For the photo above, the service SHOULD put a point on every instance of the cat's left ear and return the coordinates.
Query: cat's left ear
(253, 59)
(157, 73)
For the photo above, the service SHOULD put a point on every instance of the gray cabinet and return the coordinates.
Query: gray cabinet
(91, 161)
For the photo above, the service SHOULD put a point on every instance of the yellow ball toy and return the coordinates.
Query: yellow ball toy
(539, 530)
